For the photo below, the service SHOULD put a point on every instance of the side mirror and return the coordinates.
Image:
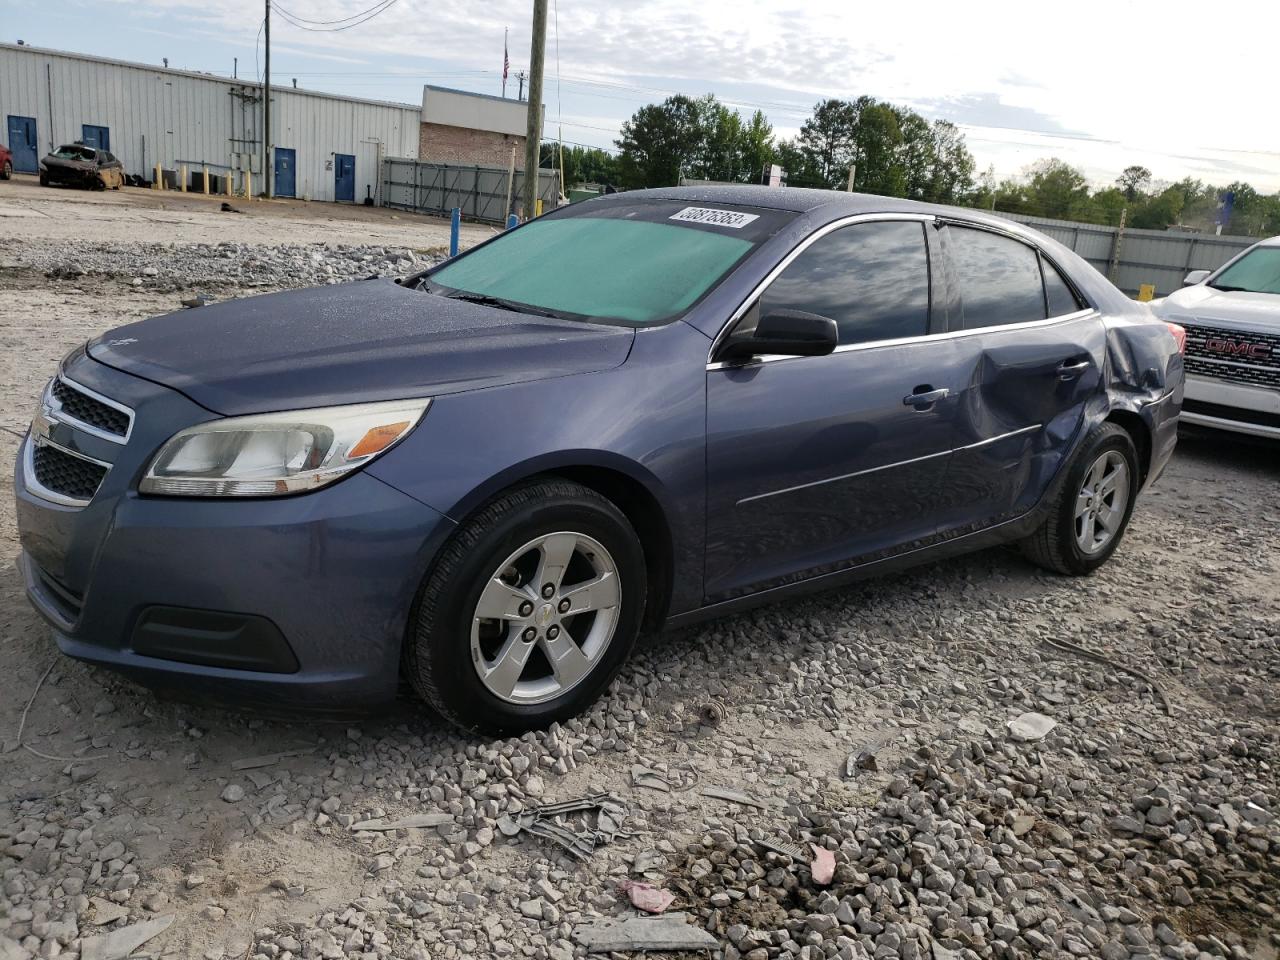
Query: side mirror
(788, 333)
(1196, 276)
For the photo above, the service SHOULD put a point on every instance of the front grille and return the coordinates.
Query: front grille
(78, 405)
(66, 474)
(1236, 355)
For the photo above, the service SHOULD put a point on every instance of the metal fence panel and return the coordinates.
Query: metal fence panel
(479, 192)
(1159, 257)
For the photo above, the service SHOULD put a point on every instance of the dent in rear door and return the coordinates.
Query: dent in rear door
(1028, 382)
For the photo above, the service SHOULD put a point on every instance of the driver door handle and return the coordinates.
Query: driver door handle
(925, 397)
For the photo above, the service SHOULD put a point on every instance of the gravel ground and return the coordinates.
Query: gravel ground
(870, 723)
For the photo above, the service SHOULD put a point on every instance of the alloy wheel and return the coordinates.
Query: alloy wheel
(545, 618)
(1102, 502)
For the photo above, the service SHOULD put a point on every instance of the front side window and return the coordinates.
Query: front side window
(999, 278)
(632, 262)
(1258, 271)
(872, 279)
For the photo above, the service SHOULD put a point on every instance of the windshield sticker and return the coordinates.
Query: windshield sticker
(715, 218)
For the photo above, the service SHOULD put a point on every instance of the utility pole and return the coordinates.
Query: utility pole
(533, 131)
(266, 104)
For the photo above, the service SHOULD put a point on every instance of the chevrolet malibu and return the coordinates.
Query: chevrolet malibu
(634, 412)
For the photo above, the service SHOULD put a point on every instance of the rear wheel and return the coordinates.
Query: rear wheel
(1092, 508)
(7, 172)
(530, 611)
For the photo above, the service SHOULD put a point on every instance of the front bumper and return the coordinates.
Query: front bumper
(1239, 408)
(334, 573)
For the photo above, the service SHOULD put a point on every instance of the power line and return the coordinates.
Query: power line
(327, 23)
(366, 16)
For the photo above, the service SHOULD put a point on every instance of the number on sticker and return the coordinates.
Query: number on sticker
(715, 218)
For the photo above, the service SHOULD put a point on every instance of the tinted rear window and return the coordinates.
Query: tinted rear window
(999, 278)
(1062, 299)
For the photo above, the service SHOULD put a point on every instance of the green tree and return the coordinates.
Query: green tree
(1057, 189)
(827, 140)
(951, 175)
(1134, 181)
(658, 141)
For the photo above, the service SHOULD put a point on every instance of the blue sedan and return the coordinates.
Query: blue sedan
(629, 414)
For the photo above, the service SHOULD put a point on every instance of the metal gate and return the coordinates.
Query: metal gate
(480, 192)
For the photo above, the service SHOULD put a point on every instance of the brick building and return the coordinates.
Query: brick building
(471, 129)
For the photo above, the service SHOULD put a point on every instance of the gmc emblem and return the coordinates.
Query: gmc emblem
(1238, 348)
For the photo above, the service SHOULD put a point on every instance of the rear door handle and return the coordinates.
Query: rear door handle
(1070, 369)
(925, 397)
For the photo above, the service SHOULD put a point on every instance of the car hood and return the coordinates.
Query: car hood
(351, 343)
(1256, 312)
(68, 164)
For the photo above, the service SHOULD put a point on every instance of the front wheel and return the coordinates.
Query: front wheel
(530, 610)
(7, 172)
(1092, 508)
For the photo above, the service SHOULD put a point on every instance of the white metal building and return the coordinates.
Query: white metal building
(323, 146)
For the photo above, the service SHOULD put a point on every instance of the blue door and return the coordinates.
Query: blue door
(22, 143)
(344, 177)
(285, 172)
(94, 136)
(815, 464)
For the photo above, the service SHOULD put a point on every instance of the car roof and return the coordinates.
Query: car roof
(823, 204)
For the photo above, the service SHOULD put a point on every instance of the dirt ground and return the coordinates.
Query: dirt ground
(897, 664)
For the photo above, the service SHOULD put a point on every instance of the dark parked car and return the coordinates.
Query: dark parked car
(6, 163)
(639, 410)
(75, 165)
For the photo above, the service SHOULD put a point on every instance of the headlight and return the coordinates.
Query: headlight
(275, 453)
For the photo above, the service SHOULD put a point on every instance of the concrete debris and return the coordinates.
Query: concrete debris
(104, 911)
(1031, 726)
(733, 796)
(120, 943)
(673, 931)
(647, 897)
(644, 777)
(417, 820)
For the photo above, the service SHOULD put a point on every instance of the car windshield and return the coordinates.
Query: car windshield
(72, 152)
(1258, 271)
(619, 261)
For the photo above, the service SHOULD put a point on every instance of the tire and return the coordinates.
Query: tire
(7, 172)
(1060, 542)
(451, 655)
(44, 179)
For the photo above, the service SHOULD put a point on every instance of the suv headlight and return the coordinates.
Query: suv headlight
(278, 453)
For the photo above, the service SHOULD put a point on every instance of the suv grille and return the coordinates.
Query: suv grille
(65, 473)
(80, 406)
(1237, 355)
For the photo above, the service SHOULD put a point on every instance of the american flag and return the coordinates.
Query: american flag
(506, 61)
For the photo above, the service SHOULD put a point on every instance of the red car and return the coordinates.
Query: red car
(6, 163)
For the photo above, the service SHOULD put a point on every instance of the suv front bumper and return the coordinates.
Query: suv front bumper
(1232, 406)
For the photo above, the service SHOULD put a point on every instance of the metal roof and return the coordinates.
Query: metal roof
(211, 77)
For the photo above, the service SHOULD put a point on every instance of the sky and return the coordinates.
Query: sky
(1183, 88)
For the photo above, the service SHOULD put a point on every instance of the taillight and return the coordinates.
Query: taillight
(1179, 336)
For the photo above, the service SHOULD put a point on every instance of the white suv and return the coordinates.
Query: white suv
(1232, 318)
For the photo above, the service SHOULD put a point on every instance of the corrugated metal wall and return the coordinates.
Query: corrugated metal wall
(172, 117)
(1159, 257)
